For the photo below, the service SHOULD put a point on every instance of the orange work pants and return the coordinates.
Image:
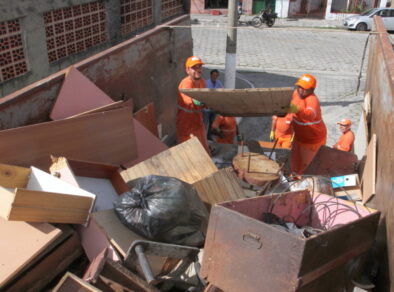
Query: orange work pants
(284, 142)
(302, 154)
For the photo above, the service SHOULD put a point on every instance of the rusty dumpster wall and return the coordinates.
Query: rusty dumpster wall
(146, 68)
(380, 83)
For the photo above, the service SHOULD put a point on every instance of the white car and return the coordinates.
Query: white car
(364, 21)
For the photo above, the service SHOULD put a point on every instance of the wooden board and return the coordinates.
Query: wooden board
(219, 187)
(13, 176)
(332, 162)
(121, 237)
(361, 137)
(20, 243)
(368, 179)
(256, 169)
(46, 199)
(101, 137)
(78, 94)
(146, 116)
(70, 282)
(148, 144)
(244, 102)
(187, 161)
(115, 105)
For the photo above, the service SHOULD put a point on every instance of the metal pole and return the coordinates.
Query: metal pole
(231, 45)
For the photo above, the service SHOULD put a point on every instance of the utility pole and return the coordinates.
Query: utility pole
(231, 45)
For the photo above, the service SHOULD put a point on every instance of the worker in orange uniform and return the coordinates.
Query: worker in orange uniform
(309, 129)
(225, 128)
(189, 114)
(346, 140)
(282, 130)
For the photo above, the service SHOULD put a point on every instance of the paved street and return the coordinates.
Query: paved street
(274, 57)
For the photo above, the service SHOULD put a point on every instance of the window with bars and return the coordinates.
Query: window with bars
(135, 14)
(74, 29)
(171, 7)
(13, 62)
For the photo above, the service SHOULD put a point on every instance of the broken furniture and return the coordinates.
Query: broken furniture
(33, 195)
(255, 169)
(106, 137)
(146, 116)
(70, 282)
(244, 102)
(243, 253)
(139, 250)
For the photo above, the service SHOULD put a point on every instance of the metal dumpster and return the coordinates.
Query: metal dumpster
(242, 253)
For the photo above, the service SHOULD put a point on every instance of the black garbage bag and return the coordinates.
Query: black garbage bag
(163, 209)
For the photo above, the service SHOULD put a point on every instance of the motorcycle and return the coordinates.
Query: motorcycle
(265, 16)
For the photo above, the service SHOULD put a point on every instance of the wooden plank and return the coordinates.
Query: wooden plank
(70, 282)
(187, 161)
(102, 137)
(361, 137)
(13, 176)
(55, 263)
(121, 237)
(368, 179)
(146, 116)
(115, 105)
(332, 162)
(148, 144)
(244, 102)
(219, 187)
(20, 243)
(46, 199)
(77, 94)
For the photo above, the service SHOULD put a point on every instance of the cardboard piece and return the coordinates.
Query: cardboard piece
(347, 187)
(77, 94)
(332, 162)
(219, 187)
(20, 243)
(361, 136)
(244, 102)
(146, 116)
(101, 137)
(368, 179)
(187, 161)
(46, 199)
(58, 256)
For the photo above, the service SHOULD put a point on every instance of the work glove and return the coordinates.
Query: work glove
(197, 103)
(239, 138)
(272, 135)
(292, 109)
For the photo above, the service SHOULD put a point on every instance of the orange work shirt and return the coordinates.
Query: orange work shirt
(308, 125)
(345, 141)
(282, 126)
(228, 126)
(189, 116)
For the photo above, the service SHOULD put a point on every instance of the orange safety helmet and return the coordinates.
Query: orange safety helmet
(306, 81)
(345, 122)
(193, 60)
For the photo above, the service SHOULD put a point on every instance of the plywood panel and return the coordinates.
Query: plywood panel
(115, 105)
(13, 176)
(70, 282)
(147, 117)
(187, 161)
(368, 179)
(244, 102)
(78, 94)
(20, 243)
(361, 138)
(102, 137)
(219, 187)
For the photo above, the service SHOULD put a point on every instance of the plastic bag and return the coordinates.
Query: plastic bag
(163, 209)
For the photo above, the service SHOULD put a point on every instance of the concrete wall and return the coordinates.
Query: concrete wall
(380, 83)
(146, 68)
(33, 30)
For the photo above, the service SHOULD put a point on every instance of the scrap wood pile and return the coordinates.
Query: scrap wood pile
(97, 182)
